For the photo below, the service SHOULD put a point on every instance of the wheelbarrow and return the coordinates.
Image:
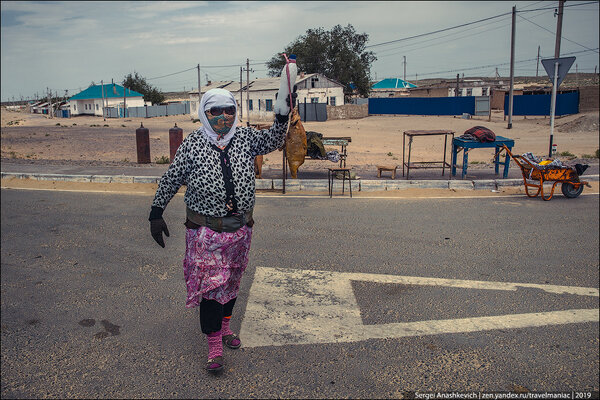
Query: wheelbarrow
(571, 186)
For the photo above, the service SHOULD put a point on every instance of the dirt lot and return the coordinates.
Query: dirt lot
(376, 140)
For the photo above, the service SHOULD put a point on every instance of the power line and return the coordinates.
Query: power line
(438, 31)
(469, 23)
(548, 30)
(174, 73)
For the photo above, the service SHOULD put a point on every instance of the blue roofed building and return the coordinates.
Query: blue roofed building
(391, 87)
(92, 100)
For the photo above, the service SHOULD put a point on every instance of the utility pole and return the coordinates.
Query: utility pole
(561, 4)
(248, 88)
(241, 98)
(405, 68)
(577, 75)
(102, 83)
(512, 68)
(456, 91)
(199, 88)
(49, 102)
(124, 100)
(537, 66)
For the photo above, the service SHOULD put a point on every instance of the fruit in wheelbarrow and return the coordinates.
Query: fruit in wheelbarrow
(295, 143)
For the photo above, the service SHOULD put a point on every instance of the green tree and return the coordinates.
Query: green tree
(138, 83)
(338, 54)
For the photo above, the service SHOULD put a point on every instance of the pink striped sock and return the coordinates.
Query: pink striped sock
(215, 344)
(225, 330)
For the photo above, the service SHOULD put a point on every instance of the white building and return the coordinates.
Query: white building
(311, 88)
(89, 101)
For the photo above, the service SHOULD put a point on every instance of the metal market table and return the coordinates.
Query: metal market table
(466, 146)
(424, 164)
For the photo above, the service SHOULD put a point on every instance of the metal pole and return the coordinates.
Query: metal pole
(553, 106)
(199, 88)
(561, 4)
(241, 96)
(248, 87)
(49, 102)
(537, 66)
(124, 101)
(456, 92)
(102, 83)
(512, 68)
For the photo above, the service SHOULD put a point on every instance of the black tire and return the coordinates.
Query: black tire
(569, 190)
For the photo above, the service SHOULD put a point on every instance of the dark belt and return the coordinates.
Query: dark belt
(218, 224)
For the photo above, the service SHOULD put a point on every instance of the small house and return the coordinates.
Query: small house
(92, 100)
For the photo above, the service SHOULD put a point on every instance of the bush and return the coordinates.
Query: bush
(162, 160)
(566, 154)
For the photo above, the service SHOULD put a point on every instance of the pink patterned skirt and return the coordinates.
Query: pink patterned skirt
(214, 263)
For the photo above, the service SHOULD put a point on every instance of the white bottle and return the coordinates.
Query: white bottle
(281, 106)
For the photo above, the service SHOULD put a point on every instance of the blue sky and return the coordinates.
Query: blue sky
(67, 45)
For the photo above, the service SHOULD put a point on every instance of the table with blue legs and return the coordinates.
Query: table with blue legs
(466, 146)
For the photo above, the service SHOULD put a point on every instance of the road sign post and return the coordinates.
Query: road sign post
(557, 69)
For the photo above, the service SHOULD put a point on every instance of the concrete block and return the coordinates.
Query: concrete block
(398, 185)
(461, 184)
(509, 182)
(76, 178)
(121, 179)
(314, 184)
(485, 184)
(146, 179)
(47, 177)
(101, 178)
(264, 184)
(368, 185)
(18, 175)
(430, 184)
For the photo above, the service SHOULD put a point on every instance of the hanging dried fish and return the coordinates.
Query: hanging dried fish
(295, 143)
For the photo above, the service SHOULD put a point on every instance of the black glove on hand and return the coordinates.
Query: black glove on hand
(158, 225)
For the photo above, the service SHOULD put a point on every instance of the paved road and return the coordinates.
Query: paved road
(343, 298)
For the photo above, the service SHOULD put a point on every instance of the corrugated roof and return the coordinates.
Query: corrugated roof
(110, 90)
(393, 83)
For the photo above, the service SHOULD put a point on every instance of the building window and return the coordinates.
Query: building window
(313, 81)
(314, 99)
(269, 105)
(96, 106)
(469, 92)
(250, 105)
(332, 101)
(484, 91)
(75, 107)
(459, 92)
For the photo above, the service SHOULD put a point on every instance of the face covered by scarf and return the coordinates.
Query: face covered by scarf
(221, 128)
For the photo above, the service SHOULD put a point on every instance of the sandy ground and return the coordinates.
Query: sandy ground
(376, 140)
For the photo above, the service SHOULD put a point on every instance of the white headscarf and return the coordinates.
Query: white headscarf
(219, 98)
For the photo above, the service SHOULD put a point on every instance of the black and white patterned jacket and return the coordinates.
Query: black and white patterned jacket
(200, 166)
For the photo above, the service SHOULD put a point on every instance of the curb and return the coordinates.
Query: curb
(361, 185)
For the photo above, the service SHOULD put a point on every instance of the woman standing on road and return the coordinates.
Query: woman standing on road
(216, 162)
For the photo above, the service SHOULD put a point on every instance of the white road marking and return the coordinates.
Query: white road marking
(291, 306)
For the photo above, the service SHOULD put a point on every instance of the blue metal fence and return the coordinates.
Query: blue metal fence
(422, 105)
(539, 104)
